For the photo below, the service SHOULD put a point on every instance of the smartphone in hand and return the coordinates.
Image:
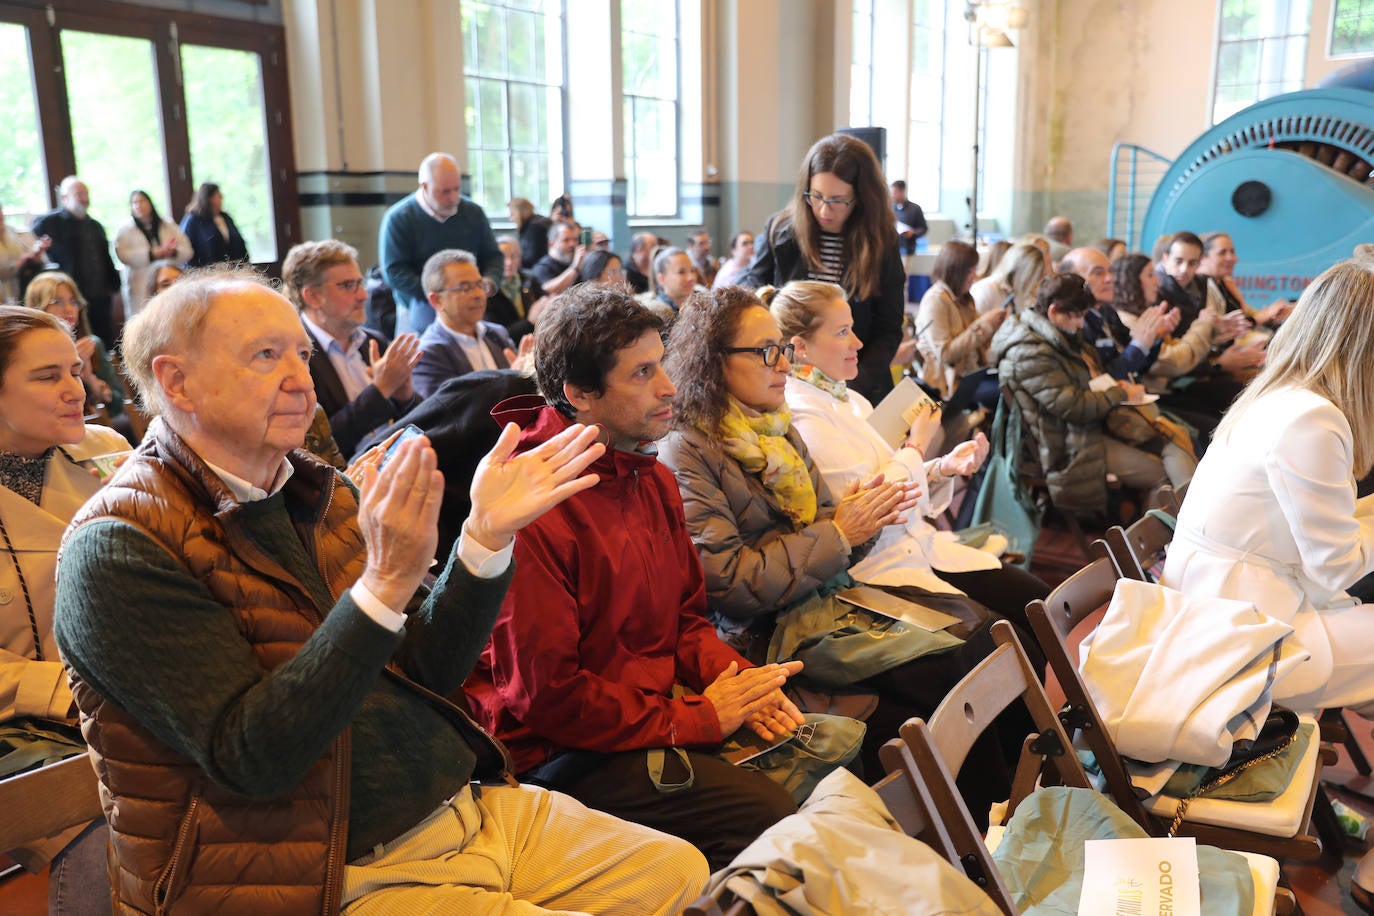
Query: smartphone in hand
(410, 432)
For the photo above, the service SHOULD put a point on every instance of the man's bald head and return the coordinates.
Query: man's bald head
(1093, 266)
(1060, 230)
(441, 183)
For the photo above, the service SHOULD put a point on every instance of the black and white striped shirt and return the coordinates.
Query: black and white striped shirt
(832, 259)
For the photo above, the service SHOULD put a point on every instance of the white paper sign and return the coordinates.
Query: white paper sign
(1150, 877)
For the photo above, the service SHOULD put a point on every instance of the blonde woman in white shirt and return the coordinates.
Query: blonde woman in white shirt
(1272, 515)
(833, 421)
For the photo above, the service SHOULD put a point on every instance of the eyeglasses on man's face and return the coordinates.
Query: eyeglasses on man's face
(467, 287)
(771, 353)
(349, 286)
(817, 201)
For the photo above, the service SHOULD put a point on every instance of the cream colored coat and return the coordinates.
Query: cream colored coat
(846, 448)
(951, 341)
(1271, 518)
(29, 687)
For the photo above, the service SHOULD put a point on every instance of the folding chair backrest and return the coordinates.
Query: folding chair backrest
(1053, 620)
(40, 802)
(1137, 550)
(934, 752)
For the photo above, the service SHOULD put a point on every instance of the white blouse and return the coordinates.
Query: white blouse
(846, 448)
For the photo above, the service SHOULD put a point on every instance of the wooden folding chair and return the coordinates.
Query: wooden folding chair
(38, 803)
(1281, 828)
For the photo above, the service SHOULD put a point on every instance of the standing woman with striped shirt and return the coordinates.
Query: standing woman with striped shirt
(839, 228)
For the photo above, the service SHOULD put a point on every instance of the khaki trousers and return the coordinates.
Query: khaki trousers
(524, 850)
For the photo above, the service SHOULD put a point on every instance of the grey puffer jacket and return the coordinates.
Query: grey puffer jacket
(1046, 375)
(756, 560)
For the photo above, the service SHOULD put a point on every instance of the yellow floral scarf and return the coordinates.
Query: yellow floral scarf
(759, 443)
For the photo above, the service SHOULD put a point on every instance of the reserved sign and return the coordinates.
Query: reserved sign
(1142, 877)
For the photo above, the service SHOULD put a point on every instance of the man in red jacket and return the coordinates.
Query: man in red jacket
(605, 613)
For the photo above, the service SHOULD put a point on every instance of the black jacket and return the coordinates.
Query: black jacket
(457, 419)
(209, 246)
(500, 309)
(349, 420)
(877, 319)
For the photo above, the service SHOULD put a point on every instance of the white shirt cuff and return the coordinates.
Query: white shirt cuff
(481, 562)
(373, 607)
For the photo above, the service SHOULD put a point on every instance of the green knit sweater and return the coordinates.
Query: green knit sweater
(146, 635)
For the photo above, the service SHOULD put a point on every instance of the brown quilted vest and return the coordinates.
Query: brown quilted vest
(178, 838)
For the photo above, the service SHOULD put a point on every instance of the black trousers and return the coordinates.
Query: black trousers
(1006, 591)
(724, 811)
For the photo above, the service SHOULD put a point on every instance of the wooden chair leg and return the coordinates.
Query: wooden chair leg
(1336, 729)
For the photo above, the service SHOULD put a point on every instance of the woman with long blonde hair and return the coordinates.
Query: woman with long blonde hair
(1272, 516)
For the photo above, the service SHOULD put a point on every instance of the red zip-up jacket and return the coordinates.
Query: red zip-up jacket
(603, 615)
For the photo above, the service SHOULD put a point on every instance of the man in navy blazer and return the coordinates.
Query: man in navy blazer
(458, 341)
(360, 381)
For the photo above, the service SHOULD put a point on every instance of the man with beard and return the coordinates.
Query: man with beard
(437, 216)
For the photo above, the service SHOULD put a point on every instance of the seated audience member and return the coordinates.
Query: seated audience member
(1059, 232)
(458, 341)
(43, 483)
(1012, 282)
(517, 302)
(733, 268)
(641, 266)
(1219, 267)
(1110, 248)
(361, 382)
(561, 208)
(1224, 366)
(56, 293)
(557, 270)
(1273, 518)
(953, 337)
(699, 249)
(600, 241)
(674, 280)
(1045, 367)
(578, 678)
(1135, 289)
(774, 544)
(276, 679)
(532, 229)
(601, 267)
(160, 275)
(1125, 353)
(1039, 241)
(833, 421)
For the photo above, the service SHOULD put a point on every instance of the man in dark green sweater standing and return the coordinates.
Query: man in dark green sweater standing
(262, 674)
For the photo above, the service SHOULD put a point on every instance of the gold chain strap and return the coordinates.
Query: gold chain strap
(1223, 779)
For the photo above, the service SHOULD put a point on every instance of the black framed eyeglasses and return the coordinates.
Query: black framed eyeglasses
(350, 286)
(817, 201)
(771, 353)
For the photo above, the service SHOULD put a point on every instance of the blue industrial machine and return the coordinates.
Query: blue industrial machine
(1289, 179)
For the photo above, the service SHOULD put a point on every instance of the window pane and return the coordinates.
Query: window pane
(116, 122)
(492, 108)
(522, 46)
(227, 121)
(23, 184)
(526, 117)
